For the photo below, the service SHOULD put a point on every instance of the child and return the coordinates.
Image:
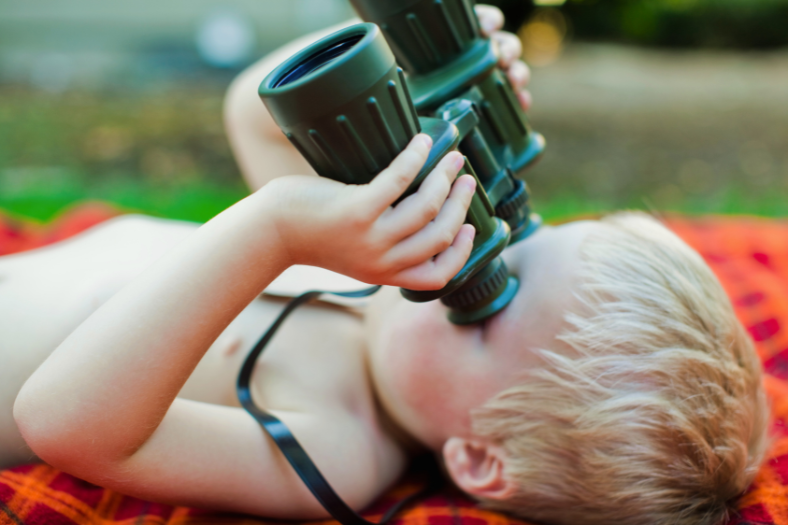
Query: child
(618, 387)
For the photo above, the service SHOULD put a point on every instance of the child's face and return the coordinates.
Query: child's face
(430, 373)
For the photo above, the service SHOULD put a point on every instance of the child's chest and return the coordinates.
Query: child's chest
(317, 358)
(316, 361)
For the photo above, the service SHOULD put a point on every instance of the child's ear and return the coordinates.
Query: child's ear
(476, 467)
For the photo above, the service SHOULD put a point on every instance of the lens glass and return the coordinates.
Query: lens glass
(318, 61)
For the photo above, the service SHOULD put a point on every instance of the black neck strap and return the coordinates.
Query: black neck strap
(288, 444)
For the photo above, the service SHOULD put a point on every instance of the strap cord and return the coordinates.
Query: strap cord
(286, 441)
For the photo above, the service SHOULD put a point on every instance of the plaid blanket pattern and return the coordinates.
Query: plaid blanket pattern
(749, 255)
(17, 235)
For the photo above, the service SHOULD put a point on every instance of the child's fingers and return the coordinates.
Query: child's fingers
(490, 19)
(509, 48)
(392, 182)
(525, 99)
(439, 234)
(435, 273)
(519, 75)
(418, 209)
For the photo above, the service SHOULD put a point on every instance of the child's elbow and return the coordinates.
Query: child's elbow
(43, 428)
(31, 420)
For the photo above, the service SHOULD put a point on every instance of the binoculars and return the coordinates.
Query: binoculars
(349, 108)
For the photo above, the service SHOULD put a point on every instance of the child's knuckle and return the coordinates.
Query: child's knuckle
(448, 237)
(431, 208)
(358, 218)
(445, 239)
(380, 267)
(402, 180)
(377, 251)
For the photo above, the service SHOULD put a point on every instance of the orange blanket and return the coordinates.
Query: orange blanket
(750, 256)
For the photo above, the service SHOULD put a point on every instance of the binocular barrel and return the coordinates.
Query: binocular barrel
(439, 45)
(424, 35)
(344, 103)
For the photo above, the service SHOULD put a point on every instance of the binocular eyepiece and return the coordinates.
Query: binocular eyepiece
(349, 109)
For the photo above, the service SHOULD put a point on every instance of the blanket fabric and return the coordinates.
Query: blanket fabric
(749, 255)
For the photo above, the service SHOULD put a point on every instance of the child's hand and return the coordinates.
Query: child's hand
(509, 51)
(353, 229)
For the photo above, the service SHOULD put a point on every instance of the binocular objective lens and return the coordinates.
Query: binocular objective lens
(318, 61)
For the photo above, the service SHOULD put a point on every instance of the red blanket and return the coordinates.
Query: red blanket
(749, 255)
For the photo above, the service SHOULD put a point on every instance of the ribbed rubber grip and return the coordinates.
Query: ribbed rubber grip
(478, 293)
(512, 204)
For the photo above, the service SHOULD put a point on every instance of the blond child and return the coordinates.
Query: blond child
(618, 386)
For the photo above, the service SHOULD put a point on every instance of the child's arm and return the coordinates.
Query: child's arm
(103, 406)
(261, 149)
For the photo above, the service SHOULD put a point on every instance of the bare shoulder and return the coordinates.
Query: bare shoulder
(144, 237)
(46, 293)
(81, 272)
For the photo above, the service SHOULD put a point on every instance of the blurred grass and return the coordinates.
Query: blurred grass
(166, 154)
(159, 153)
(195, 201)
(200, 200)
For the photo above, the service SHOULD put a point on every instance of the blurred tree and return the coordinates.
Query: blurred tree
(742, 24)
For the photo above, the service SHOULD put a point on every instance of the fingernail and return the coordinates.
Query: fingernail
(425, 139)
(471, 232)
(459, 162)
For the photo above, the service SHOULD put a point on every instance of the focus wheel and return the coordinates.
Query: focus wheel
(514, 201)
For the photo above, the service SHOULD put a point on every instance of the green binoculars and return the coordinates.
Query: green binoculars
(349, 109)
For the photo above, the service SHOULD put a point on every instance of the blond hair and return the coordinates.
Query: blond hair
(659, 417)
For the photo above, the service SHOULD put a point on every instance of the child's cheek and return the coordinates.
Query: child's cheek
(418, 363)
(426, 368)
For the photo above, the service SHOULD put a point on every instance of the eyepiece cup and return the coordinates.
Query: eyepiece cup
(327, 75)
(344, 104)
(317, 61)
(483, 295)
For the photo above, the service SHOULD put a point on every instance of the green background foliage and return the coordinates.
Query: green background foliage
(164, 152)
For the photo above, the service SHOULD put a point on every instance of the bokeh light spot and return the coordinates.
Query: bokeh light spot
(543, 36)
